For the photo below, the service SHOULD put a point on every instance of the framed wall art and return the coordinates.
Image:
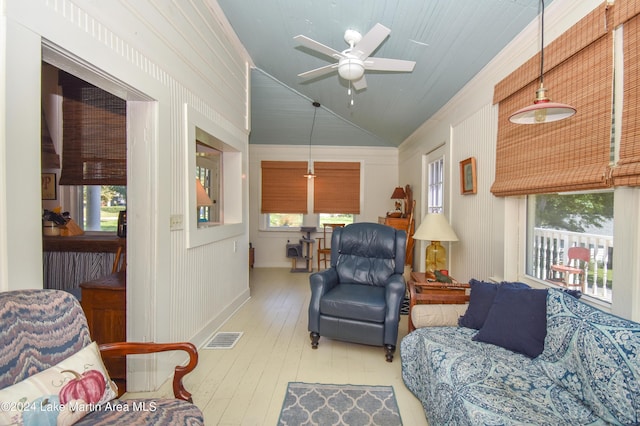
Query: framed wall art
(468, 179)
(49, 186)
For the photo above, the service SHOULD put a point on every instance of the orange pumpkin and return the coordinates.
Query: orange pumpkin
(89, 387)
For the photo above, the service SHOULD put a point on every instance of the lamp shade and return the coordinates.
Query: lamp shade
(435, 227)
(201, 195)
(398, 194)
(542, 112)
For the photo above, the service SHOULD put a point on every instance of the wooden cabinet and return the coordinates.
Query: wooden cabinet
(104, 302)
(403, 224)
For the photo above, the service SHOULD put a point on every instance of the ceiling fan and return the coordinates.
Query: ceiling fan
(355, 60)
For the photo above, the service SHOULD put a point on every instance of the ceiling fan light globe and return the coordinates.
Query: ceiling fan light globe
(351, 69)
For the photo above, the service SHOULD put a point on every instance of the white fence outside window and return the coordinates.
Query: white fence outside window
(550, 247)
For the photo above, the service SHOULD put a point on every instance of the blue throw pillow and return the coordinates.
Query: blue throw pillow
(480, 301)
(517, 321)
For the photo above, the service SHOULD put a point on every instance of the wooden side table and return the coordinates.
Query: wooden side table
(424, 289)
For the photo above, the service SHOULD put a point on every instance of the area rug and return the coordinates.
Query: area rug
(322, 404)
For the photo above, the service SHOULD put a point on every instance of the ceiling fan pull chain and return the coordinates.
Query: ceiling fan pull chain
(350, 93)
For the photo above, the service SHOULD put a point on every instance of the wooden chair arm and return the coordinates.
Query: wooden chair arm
(321, 242)
(117, 349)
(413, 295)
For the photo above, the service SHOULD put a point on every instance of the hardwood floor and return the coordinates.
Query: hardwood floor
(246, 385)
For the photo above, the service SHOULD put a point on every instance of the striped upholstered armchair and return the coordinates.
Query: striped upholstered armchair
(51, 371)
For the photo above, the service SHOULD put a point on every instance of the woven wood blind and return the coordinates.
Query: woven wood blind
(627, 170)
(94, 142)
(284, 187)
(625, 10)
(568, 155)
(336, 188)
(49, 159)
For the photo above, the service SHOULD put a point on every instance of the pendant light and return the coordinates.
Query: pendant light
(542, 110)
(310, 174)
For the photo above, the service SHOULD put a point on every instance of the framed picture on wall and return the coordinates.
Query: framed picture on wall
(468, 178)
(49, 186)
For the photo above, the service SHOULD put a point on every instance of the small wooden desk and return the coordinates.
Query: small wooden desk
(425, 290)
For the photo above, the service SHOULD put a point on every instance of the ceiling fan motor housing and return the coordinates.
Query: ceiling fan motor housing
(352, 37)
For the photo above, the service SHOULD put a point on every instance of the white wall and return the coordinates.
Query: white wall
(491, 229)
(159, 56)
(378, 178)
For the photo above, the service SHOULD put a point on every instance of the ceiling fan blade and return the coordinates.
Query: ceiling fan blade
(359, 84)
(319, 71)
(318, 47)
(386, 64)
(371, 41)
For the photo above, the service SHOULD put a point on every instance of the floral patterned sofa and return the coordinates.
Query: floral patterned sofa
(51, 373)
(582, 369)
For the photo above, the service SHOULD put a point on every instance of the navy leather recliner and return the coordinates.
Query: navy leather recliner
(358, 299)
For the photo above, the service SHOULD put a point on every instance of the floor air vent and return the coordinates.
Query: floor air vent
(224, 340)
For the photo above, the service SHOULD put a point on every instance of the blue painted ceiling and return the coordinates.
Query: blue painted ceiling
(450, 41)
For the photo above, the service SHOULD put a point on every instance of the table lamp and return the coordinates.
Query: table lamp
(202, 198)
(435, 228)
(399, 194)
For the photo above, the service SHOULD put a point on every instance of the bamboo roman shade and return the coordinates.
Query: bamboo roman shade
(627, 169)
(94, 141)
(336, 187)
(284, 187)
(568, 155)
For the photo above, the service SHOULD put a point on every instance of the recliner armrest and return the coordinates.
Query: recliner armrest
(117, 349)
(321, 283)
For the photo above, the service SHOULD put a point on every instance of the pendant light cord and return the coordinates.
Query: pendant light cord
(542, 43)
(313, 124)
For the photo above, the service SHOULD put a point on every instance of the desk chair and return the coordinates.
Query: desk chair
(120, 261)
(324, 243)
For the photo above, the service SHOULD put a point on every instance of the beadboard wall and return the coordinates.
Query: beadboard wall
(488, 227)
(476, 218)
(159, 56)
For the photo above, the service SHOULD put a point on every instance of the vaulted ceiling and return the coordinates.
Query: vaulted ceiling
(450, 41)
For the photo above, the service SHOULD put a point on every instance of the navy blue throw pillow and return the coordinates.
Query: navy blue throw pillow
(517, 321)
(480, 302)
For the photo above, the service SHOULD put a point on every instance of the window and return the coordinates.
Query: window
(214, 179)
(325, 218)
(336, 188)
(435, 186)
(98, 206)
(284, 187)
(284, 220)
(94, 153)
(336, 192)
(557, 222)
(208, 192)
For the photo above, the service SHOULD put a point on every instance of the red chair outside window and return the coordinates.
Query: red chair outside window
(573, 274)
